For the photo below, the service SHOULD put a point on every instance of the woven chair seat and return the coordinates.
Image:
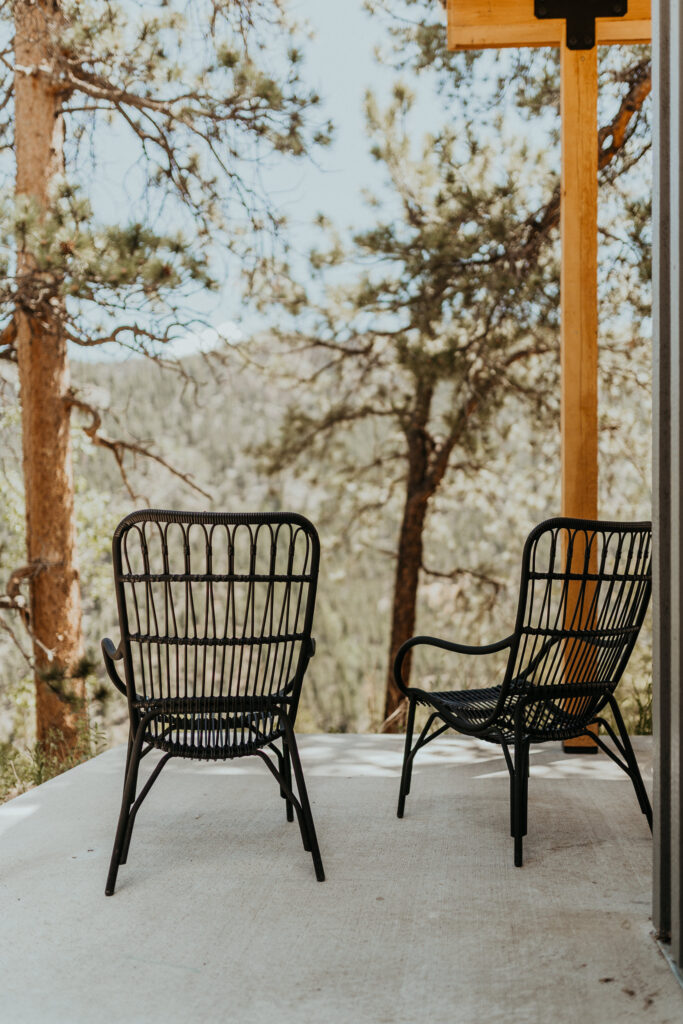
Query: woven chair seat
(548, 719)
(473, 706)
(213, 737)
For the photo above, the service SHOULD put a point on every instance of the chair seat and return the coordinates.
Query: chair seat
(213, 736)
(471, 707)
(544, 720)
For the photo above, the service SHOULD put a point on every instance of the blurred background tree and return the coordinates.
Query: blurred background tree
(447, 270)
(203, 91)
(447, 329)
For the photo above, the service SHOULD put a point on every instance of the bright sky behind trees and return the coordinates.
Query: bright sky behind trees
(339, 62)
(340, 65)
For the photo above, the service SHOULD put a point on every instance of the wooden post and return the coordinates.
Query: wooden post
(482, 24)
(579, 293)
(579, 283)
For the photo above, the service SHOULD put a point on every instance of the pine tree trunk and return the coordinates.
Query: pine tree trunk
(44, 383)
(406, 582)
(420, 487)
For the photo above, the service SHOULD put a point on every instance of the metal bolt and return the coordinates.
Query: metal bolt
(573, 42)
(589, 42)
(541, 10)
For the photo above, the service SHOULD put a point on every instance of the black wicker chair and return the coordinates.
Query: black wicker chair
(215, 612)
(584, 592)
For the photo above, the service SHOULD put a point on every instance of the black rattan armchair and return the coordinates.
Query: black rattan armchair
(216, 612)
(584, 592)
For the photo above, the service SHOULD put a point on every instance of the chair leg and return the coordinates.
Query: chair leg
(634, 770)
(131, 740)
(133, 761)
(306, 821)
(411, 760)
(511, 772)
(135, 767)
(134, 786)
(520, 792)
(135, 806)
(287, 794)
(407, 770)
(525, 795)
(287, 771)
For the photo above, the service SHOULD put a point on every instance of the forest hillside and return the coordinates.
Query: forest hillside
(213, 418)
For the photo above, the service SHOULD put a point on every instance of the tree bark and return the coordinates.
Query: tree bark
(427, 466)
(420, 487)
(55, 604)
(406, 582)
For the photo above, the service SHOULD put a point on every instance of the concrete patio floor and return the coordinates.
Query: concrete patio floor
(218, 916)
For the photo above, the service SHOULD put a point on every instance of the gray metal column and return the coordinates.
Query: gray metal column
(661, 464)
(668, 474)
(676, 265)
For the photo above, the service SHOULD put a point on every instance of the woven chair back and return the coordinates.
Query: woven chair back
(584, 593)
(216, 607)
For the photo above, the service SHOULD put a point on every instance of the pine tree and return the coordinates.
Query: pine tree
(453, 313)
(205, 90)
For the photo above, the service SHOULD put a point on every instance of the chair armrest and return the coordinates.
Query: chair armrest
(110, 655)
(445, 645)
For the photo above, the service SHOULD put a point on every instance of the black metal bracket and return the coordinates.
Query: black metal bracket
(580, 16)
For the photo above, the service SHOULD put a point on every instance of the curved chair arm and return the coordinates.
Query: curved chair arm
(110, 655)
(446, 645)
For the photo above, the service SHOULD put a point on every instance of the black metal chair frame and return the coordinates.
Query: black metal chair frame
(512, 714)
(214, 725)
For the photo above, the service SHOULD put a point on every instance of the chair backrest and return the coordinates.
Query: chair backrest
(584, 592)
(215, 605)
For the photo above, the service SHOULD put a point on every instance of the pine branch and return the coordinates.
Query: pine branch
(619, 130)
(4, 624)
(119, 448)
(8, 338)
(457, 573)
(14, 600)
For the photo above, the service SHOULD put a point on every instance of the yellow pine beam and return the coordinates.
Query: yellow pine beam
(494, 24)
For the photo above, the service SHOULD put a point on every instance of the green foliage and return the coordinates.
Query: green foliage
(641, 721)
(185, 101)
(60, 681)
(95, 524)
(200, 94)
(477, 525)
(22, 768)
(85, 667)
(403, 335)
(445, 298)
(417, 353)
